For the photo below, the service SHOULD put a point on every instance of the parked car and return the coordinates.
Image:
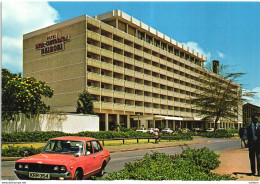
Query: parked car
(210, 130)
(151, 130)
(141, 130)
(197, 129)
(185, 130)
(65, 158)
(167, 131)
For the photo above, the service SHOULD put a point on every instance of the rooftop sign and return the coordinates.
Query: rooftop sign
(52, 44)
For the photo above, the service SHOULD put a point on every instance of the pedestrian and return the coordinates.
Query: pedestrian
(252, 139)
(156, 135)
(241, 133)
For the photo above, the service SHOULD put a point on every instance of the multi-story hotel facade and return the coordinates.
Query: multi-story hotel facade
(137, 75)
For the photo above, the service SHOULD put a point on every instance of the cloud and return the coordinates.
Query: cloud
(19, 18)
(195, 46)
(220, 54)
(256, 100)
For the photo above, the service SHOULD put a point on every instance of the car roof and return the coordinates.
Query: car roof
(72, 138)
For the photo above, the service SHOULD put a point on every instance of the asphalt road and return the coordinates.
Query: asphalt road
(118, 159)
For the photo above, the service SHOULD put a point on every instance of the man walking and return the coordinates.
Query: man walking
(252, 139)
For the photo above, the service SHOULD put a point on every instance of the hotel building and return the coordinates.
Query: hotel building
(137, 75)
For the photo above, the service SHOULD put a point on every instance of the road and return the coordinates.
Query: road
(118, 159)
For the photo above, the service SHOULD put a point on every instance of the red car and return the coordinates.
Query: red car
(65, 158)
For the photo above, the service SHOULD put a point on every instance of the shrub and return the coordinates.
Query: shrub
(16, 151)
(217, 134)
(159, 166)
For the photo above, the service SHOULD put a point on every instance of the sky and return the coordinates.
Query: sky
(224, 31)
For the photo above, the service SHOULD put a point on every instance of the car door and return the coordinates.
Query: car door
(90, 159)
(98, 154)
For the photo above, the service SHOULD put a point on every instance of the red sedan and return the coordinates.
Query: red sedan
(65, 158)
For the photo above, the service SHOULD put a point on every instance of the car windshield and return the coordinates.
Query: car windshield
(64, 147)
(140, 128)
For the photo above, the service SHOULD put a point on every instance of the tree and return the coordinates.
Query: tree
(220, 96)
(85, 103)
(23, 95)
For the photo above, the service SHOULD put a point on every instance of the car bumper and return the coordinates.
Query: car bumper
(25, 174)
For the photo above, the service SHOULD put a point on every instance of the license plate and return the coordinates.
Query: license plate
(39, 175)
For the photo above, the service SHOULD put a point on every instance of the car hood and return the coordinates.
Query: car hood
(49, 158)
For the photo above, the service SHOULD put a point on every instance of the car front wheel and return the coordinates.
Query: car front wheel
(78, 175)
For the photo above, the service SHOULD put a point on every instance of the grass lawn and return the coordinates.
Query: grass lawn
(107, 143)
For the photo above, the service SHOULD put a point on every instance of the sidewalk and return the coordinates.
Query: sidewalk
(236, 162)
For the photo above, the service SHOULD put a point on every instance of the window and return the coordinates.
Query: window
(96, 146)
(89, 149)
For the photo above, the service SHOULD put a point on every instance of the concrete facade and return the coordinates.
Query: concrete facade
(131, 69)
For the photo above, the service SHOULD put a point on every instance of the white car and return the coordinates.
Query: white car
(141, 130)
(151, 130)
(210, 130)
(167, 131)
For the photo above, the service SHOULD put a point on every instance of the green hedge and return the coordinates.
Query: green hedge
(217, 134)
(14, 151)
(191, 164)
(45, 136)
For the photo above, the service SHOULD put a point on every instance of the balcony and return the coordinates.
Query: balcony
(148, 99)
(138, 41)
(147, 77)
(129, 61)
(170, 102)
(106, 79)
(148, 88)
(119, 57)
(106, 40)
(139, 64)
(106, 53)
(156, 49)
(97, 105)
(107, 66)
(163, 81)
(139, 75)
(119, 107)
(119, 82)
(93, 35)
(129, 49)
(119, 33)
(155, 59)
(139, 52)
(163, 62)
(182, 87)
(118, 45)
(139, 86)
(94, 62)
(93, 21)
(139, 108)
(164, 101)
(129, 72)
(147, 56)
(164, 111)
(118, 69)
(169, 83)
(163, 91)
(156, 111)
(157, 100)
(129, 84)
(119, 94)
(182, 96)
(106, 92)
(107, 105)
(156, 90)
(177, 104)
(156, 79)
(147, 66)
(94, 76)
(139, 97)
(148, 110)
(129, 96)
(106, 27)
(93, 49)
(155, 69)
(93, 90)
(170, 93)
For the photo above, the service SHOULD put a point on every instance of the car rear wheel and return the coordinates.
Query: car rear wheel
(78, 175)
(102, 170)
